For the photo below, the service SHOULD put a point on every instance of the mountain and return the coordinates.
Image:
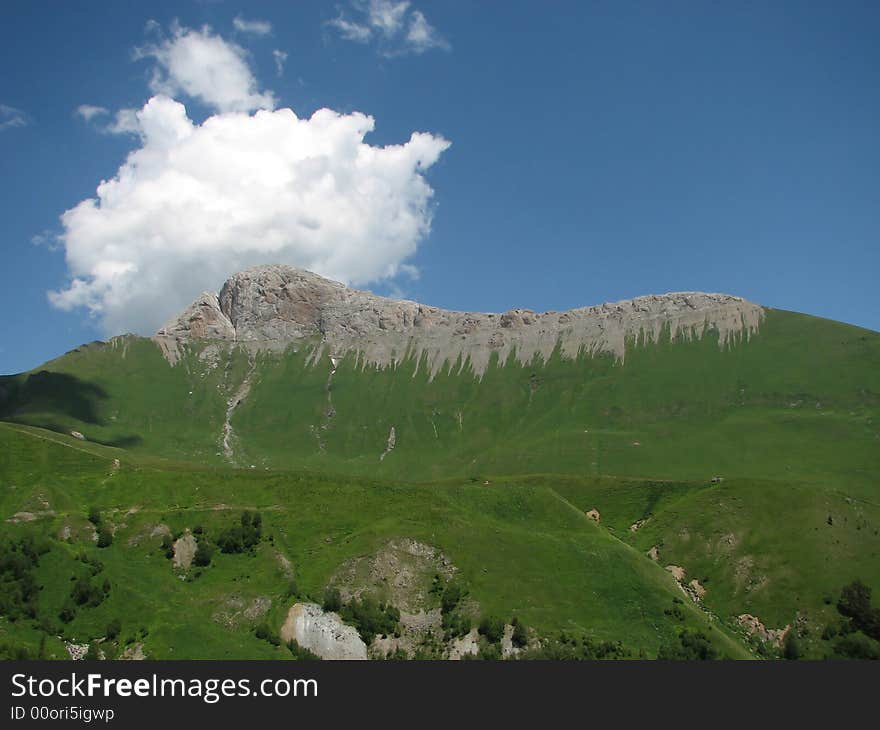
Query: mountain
(559, 461)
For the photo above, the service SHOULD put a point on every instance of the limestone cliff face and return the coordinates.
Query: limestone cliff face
(274, 306)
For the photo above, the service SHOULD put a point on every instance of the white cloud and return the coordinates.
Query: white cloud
(11, 117)
(350, 30)
(205, 67)
(197, 202)
(280, 58)
(252, 27)
(396, 29)
(387, 17)
(422, 36)
(89, 112)
(124, 122)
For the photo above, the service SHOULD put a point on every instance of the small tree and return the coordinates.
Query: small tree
(332, 600)
(791, 648)
(520, 636)
(204, 553)
(95, 516)
(105, 537)
(492, 628)
(113, 629)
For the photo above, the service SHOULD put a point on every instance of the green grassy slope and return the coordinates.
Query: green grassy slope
(788, 419)
(521, 550)
(799, 401)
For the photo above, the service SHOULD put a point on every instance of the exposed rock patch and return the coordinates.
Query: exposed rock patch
(594, 515)
(184, 550)
(134, 652)
(401, 572)
(76, 651)
(322, 633)
(268, 307)
(754, 627)
(467, 645)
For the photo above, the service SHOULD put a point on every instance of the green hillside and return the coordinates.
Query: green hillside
(752, 467)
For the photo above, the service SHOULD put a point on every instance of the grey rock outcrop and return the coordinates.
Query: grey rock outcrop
(273, 306)
(322, 633)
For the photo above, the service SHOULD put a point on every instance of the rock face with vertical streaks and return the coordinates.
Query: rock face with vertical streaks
(272, 306)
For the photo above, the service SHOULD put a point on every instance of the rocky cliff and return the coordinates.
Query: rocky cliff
(275, 306)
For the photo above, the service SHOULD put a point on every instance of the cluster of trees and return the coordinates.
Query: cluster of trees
(242, 537)
(689, 645)
(239, 538)
(300, 652)
(569, 647)
(369, 617)
(18, 587)
(675, 611)
(264, 631)
(105, 534)
(85, 592)
(857, 634)
(454, 622)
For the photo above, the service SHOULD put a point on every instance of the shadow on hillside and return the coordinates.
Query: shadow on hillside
(41, 398)
(50, 393)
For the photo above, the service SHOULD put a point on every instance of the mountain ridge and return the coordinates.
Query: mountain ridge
(270, 306)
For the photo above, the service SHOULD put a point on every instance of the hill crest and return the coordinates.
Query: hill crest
(273, 306)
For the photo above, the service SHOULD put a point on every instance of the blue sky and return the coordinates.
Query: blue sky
(598, 151)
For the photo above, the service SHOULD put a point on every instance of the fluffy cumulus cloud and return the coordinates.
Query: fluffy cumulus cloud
(206, 67)
(196, 202)
(394, 26)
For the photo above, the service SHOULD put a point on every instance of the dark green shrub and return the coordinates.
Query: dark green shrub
(520, 636)
(204, 553)
(492, 628)
(113, 629)
(105, 537)
(332, 600)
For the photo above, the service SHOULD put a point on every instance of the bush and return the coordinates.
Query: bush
(264, 632)
(492, 628)
(244, 536)
(204, 553)
(450, 598)
(455, 625)
(855, 604)
(95, 516)
(689, 645)
(85, 593)
(791, 648)
(520, 636)
(857, 646)
(114, 628)
(370, 618)
(332, 600)
(105, 537)
(300, 652)
(18, 586)
(68, 612)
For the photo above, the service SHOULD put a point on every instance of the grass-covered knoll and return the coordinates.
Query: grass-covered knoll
(521, 550)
